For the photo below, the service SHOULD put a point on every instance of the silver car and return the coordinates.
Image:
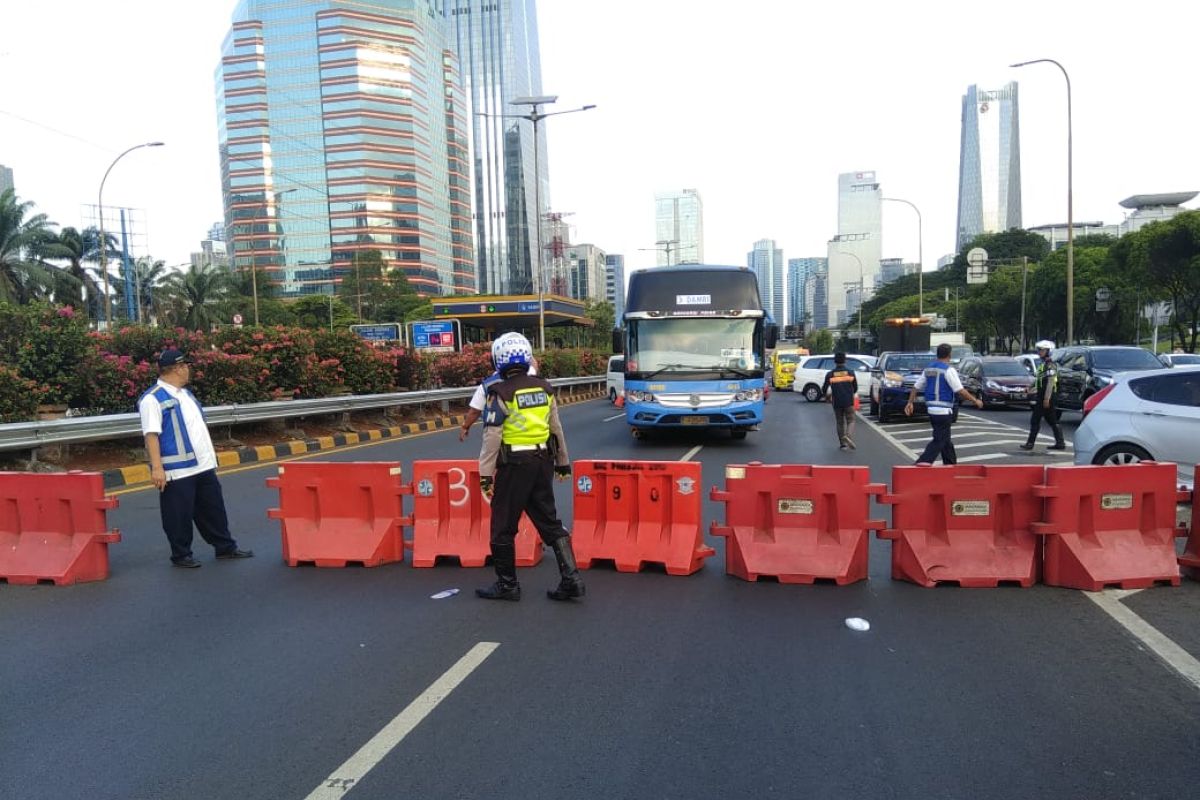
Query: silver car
(1144, 416)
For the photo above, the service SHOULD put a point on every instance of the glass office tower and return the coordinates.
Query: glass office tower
(679, 227)
(854, 254)
(767, 262)
(801, 299)
(989, 172)
(497, 48)
(342, 134)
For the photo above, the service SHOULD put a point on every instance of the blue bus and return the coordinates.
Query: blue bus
(695, 340)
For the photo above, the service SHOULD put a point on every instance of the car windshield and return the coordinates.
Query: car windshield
(1185, 360)
(995, 369)
(1125, 358)
(908, 362)
(788, 358)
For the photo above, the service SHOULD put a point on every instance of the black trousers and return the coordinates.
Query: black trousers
(940, 444)
(197, 499)
(525, 484)
(1051, 416)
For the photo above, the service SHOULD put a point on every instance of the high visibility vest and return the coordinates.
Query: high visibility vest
(522, 406)
(938, 393)
(1047, 371)
(173, 443)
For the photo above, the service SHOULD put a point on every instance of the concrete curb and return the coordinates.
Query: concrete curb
(132, 476)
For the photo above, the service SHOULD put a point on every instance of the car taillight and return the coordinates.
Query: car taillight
(1095, 399)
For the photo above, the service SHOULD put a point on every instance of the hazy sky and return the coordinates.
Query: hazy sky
(757, 105)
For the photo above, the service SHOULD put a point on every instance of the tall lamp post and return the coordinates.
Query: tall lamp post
(535, 116)
(861, 290)
(920, 253)
(1070, 201)
(661, 246)
(103, 238)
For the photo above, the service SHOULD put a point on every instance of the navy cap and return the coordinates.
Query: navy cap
(170, 358)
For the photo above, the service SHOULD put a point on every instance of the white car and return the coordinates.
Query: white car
(614, 379)
(811, 371)
(1152, 415)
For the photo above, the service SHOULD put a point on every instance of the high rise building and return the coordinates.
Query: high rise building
(802, 274)
(855, 251)
(679, 227)
(989, 166)
(587, 273)
(892, 269)
(6, 178)
(342, 132)
(217, 232)
(767, 262)
(212, 253)
(497, 48)
(616, 284)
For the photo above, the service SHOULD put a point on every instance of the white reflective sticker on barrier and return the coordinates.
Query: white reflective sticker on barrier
(425, 487)
(686, 485)
(1110, 502)
(793, 506)
(735, 473)
(584, 484)
(970, 508)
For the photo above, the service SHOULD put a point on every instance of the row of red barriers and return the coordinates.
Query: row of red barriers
(975, 526)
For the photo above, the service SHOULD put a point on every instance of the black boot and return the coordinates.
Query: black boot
(504, 559)
(571, 586)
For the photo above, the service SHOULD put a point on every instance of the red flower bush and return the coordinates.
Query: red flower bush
(19, 397)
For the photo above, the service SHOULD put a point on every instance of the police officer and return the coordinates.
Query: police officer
(523, 444)
(1045, 401)
(940, 383)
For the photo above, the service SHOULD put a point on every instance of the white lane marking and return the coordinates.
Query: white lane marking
(349, 774)
(983, 457)
(904, 450)
(615, 416)
(989, 443)
(692, 452)
(957, 436)
(1175, 656)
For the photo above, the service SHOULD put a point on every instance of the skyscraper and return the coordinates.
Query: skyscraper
(801, 302)
(587, 273)
(342, 134)
(497, 48)
(989, 166)
(616, 284)
(767, 262)
(679, 227)
(6, 178)
(855, 251)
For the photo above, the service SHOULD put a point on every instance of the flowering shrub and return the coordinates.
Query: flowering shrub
(365, 369)
(112, 384)
(413, 371)
(143, 343)
(220, 379)
(19, 397)
(466, 368)
(45, 344)
(289, 353)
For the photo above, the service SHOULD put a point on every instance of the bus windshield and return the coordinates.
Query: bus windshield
(675, 344)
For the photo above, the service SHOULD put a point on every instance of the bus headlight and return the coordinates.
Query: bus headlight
(636, 396)
(748, 395)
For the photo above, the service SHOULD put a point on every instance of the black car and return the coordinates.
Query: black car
(999, 380)
(1083, 371)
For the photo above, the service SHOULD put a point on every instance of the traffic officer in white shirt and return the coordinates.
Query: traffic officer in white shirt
(940, 383)
(478, 400)
(183, 464)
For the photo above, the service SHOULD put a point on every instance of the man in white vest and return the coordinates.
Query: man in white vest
(183, 464)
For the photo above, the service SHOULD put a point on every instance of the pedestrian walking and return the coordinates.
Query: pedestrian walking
(183, 464)
(841, 388)
(940, 384)
(523, 449)
(1045, 400)
(478, 400)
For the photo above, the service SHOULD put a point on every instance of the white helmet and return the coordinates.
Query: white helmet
(1044, 344)
(511, 350)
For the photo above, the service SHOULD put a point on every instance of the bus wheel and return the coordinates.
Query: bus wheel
(738, 434)
(637, 433)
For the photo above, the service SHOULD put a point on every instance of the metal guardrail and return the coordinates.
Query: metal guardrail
(76, 430)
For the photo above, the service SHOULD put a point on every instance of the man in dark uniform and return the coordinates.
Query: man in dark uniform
(523, 447)
(841, 386)
(1045, 402)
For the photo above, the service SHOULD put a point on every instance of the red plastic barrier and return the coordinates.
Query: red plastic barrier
(798, 523)
(966, 524)
(451, 517)
(338, 513)
(53, 527)
(1190, 560)
(1109, 526)
(639, 512)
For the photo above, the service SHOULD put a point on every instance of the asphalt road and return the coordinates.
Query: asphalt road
(249, 679)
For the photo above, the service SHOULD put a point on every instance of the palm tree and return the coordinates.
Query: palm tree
(195, 295)
(24, 246)
(150, 278)
(77, 248)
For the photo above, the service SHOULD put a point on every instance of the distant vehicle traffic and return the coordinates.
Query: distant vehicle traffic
(1180, 359)
(999, 380)
(695, 344)
(614, 379)
(783, 366)
(1143, 416)
(1085, 370)
(810, 374)
(904, 335)
(892, 377)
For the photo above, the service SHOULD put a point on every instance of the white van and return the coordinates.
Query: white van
(614, 382)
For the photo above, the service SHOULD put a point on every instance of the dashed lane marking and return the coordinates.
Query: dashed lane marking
(688, 456)
(615, 416)
(1172, 654)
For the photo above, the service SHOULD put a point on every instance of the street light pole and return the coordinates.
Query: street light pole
(861, 291)
(535, 116)
(103, 238)
(1070, 201)
(920, 253)
(661, 246)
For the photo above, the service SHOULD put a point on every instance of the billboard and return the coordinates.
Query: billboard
(436, 337)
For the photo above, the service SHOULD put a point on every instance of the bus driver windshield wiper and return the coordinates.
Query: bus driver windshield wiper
(667, 367)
